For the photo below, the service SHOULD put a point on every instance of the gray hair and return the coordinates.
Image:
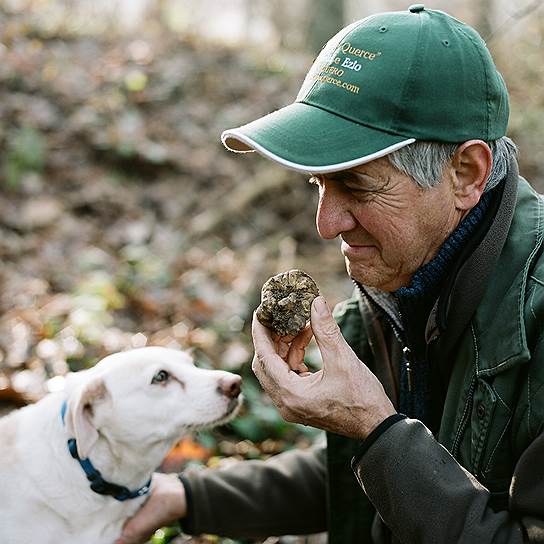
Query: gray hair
(425, 161)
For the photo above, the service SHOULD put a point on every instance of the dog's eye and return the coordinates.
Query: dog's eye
(160, 377)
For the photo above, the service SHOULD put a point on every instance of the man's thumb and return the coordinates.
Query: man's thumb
(326, 331)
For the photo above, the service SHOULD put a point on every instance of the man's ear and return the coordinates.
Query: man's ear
(79, 417)
(472, 164)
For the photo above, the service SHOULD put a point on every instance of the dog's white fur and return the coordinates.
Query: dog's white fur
(123, 423)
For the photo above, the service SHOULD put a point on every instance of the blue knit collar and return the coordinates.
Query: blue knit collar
(98, 484)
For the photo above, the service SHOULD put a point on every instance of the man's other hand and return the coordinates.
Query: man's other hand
(166, 504)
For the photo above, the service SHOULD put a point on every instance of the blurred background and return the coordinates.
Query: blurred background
(123, 220)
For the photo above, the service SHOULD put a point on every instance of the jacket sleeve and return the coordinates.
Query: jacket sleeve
(423, 495)
(282, 495)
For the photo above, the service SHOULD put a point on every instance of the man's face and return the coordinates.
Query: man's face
(389, 226)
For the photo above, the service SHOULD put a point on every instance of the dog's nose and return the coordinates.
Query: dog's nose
(230, 385)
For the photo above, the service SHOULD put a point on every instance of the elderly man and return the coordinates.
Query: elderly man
(432, 382)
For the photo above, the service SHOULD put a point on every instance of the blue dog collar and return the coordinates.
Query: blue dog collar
(98, 484)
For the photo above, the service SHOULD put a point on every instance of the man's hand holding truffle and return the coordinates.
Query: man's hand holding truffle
(343, 396)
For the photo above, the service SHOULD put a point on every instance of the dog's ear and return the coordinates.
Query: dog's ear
(79, 420)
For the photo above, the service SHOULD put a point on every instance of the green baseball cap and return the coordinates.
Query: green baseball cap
(380, 84)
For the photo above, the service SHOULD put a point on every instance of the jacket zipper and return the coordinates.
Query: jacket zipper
(408, 360)
(408, 357)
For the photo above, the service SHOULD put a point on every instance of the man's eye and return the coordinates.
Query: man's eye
(160, 377)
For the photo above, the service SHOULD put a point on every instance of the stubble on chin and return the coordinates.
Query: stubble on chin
(362, 275)
(383, 280)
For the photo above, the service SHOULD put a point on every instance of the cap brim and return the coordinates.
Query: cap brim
(312, 140)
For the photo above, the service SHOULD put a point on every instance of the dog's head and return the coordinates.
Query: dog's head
(145, 396)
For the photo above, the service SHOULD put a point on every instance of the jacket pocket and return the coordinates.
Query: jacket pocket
(483, 408)
(491, 452)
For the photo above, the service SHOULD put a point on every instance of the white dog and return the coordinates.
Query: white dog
(119, 419)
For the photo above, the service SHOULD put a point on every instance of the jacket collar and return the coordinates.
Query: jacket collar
(470, 278)
(499, 322)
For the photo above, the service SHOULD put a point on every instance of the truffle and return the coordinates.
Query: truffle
(286, 300)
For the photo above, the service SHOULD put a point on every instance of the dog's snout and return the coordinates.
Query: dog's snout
(230, 385)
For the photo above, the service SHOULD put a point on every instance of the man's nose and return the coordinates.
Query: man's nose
(333, 214)
(229, 385)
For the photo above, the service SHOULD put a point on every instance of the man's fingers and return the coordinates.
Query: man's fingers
(295, 357)
(282, 349)
(137, 530)
(326, 331)
(267, 364)
(166, 504)
(262, 336)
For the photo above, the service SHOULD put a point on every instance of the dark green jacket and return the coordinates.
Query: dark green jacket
(484, 335)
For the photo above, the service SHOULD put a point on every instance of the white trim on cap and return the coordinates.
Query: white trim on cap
(307, 169)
